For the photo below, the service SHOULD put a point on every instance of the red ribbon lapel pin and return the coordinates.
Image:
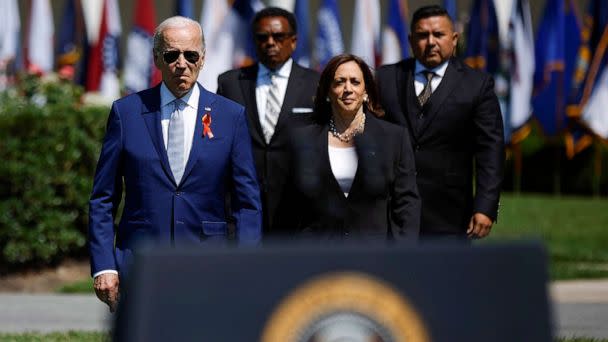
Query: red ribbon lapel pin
(207, 123)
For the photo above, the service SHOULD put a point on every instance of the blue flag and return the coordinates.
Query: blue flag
(482, 37)
(302, 53)
(557, 43)
(184, 8)
(72, 43)
(395, 44)
(245, 10)
(329, 36)
(590, 80)
(451, 7)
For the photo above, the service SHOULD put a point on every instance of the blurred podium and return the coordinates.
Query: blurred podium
(338, 293)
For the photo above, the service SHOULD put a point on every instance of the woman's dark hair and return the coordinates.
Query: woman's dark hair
(322, 108)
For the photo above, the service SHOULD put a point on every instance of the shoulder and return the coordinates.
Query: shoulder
(141, 101)
(462, 67)
(237, 73)
(404, 64)
(227, 105)
(300, 71)
(383, 127)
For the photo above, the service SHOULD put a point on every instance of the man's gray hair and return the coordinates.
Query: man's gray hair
(175, 22)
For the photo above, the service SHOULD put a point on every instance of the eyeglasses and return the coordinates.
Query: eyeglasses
(276, 36)
(172, 55)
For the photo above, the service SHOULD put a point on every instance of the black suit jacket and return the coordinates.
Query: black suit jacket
(383, 190)
(270, 159)
(460, 138)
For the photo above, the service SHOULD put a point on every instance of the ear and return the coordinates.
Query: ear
(455, 40)
(294, 42)
(157, 59)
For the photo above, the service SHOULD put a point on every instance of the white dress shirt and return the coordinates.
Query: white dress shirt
(343, 162)
(189, 112)
(262, 85)
(420, 79)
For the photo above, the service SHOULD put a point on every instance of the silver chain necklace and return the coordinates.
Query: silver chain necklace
(346, 137)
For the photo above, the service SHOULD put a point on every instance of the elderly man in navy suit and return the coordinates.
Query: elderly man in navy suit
(177, 149)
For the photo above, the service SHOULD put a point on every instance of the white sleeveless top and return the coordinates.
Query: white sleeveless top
(343, 161)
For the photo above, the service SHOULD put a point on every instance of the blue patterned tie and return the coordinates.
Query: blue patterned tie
(175, 141)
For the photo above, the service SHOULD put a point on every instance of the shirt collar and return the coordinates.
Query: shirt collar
(190, 98)
(438, 70)
(283, 71)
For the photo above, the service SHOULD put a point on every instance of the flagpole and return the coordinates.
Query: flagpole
(559, 108)
(597, 167)
(517, 168)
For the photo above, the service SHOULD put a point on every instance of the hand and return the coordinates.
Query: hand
(479, 226)
(106, 289)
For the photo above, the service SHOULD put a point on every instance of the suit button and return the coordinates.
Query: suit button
(417, 147)
(178, 193)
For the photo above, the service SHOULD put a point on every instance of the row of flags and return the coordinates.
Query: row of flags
(556, 76)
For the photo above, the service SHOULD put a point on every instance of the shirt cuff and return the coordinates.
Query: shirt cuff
(103, 272)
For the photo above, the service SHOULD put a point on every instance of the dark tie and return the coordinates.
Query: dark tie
(427, 91)
(175, 141)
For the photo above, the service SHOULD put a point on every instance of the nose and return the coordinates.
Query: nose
(181, 61)
(348, 87)
(431, 40)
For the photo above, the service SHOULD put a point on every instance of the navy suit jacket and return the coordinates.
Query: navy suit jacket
(156, 209)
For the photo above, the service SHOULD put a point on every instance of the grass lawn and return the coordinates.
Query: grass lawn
(76, 336)
(574, 230)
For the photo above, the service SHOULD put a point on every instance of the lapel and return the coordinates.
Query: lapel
(410, 101)
(294, 88)
(446, 87)
(152, 116)
(325, 164)
(206, 100)
(367, 152)
(405, 86)
(247, 81)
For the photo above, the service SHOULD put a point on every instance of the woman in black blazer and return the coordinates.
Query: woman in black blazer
(352, 174)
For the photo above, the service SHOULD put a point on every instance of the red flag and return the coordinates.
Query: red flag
(95, 67)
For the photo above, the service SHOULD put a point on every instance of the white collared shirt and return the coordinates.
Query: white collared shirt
(420, 79)
(189, 112)
(263, 83)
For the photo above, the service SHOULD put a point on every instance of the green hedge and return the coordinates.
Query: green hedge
(48, 150)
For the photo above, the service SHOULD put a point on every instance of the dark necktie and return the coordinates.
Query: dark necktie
(427, 91)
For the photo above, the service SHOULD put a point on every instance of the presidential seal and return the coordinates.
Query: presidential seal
(347, 306)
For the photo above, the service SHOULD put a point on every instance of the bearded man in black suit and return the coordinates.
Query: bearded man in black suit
(277, 93)
(455, 126)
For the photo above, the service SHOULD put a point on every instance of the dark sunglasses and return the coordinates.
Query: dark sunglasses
(171, 56)
(276, 36)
